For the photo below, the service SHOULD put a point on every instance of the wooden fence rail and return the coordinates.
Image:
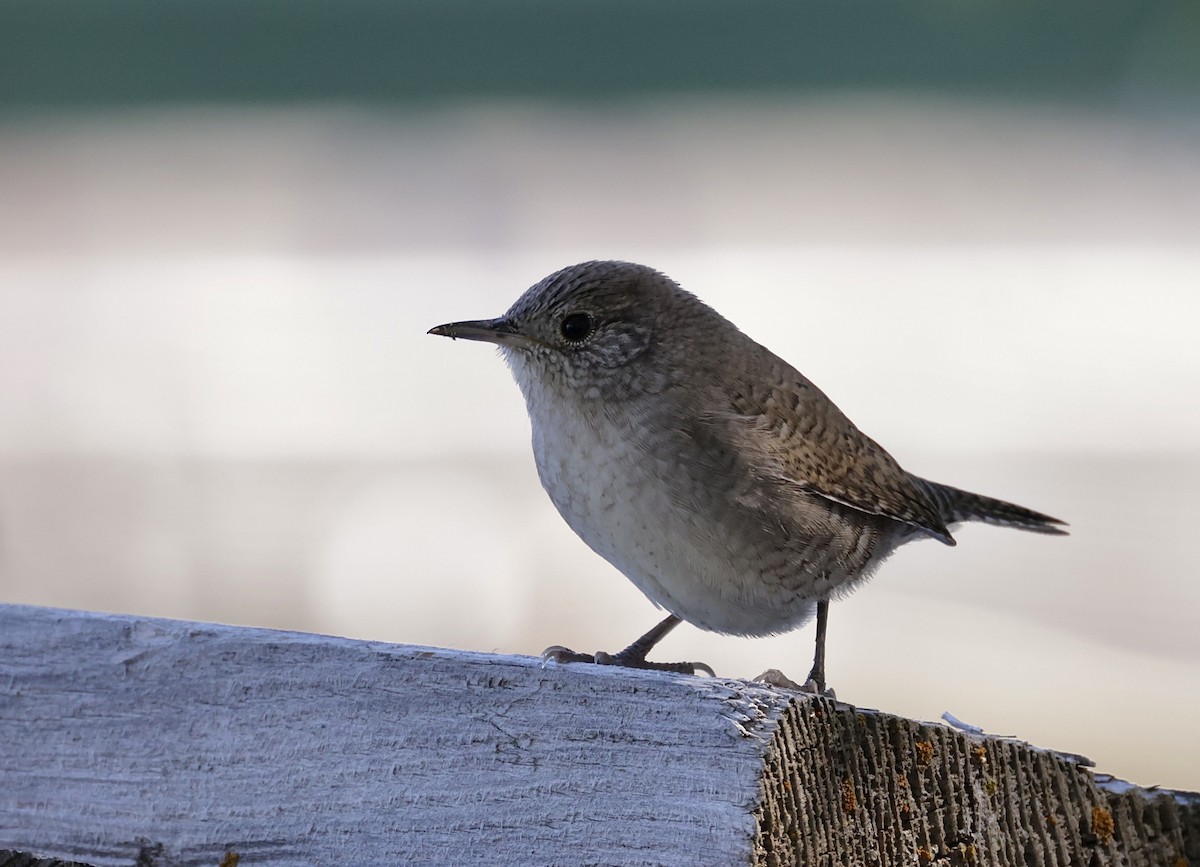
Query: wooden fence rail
(135, 741)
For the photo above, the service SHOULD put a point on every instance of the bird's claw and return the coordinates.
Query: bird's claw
(776, 678)
(819, 689)
(558, 653)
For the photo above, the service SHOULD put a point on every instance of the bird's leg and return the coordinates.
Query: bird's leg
(633, 656)
(816, 677)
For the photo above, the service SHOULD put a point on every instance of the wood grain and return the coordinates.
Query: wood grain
(130, 740)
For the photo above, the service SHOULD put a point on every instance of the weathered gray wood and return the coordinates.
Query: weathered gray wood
(118, 735)
(128, 740)
(8, 858)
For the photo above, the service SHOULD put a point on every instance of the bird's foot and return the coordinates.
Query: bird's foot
(816, 678)
(776, 678)
(818, 688)
(625, 659)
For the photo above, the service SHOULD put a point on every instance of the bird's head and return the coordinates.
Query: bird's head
(592, 330)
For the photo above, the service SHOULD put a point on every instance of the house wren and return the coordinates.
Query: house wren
(727, 487)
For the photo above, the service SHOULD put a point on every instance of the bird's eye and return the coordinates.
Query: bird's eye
(576, 327)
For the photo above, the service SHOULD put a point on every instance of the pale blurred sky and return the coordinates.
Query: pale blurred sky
(220, 401)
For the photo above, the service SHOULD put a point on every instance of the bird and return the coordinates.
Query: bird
(714, 475)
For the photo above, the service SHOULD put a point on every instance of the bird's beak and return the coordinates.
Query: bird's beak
(499, 331)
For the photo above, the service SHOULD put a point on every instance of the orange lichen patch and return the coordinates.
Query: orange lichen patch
(1103, 824)
(924, 752)
(849, 801)
(925, 854)
(971, 854)
(980, 754)
(1180, 862)
(1052, 820)
(230, 859)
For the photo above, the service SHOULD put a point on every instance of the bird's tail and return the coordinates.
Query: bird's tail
(956, 505)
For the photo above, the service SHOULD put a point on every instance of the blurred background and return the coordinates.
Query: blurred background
(226, 226)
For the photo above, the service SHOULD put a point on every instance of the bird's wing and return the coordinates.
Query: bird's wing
(791, 433)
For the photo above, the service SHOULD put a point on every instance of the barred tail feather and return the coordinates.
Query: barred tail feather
(956, 506)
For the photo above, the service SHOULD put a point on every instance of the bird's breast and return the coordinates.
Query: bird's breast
(693, 555)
